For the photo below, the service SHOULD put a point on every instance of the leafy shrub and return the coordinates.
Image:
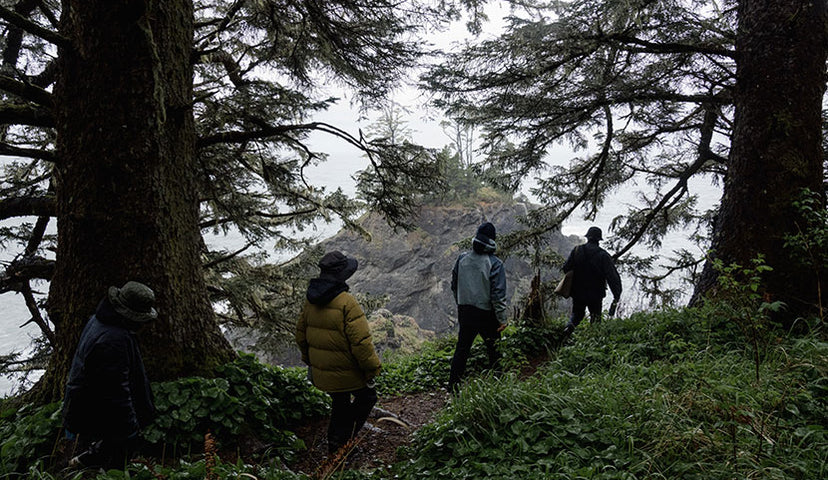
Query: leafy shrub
(246, 398)
(180, 470)
(28, 434)
(426, 369)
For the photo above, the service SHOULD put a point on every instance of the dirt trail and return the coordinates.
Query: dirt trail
(378, 441)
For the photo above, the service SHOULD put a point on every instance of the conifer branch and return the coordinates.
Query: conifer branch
(25, 90)
(29, 26)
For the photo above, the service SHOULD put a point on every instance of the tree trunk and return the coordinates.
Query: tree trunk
(127, 199)
(776, 147)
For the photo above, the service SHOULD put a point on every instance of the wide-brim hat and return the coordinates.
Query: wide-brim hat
(134, 301)
(595, 233)
(337, 266)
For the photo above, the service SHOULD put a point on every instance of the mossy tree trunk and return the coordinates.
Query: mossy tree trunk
(128, 205)
(776, 147)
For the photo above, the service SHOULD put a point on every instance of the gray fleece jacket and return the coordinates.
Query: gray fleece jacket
(479, 279)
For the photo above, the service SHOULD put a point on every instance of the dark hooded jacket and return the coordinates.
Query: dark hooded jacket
(593, 271)
(334, 338)
(108, 394)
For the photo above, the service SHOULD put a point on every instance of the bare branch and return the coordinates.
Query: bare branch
(35, 153)
(14, 35)
(283, 217)
(29, 26)
(37, 318)
(246, 136)
(48, 13)
(27, 206)
(267, 131)
(225, 258)
(667, 47)
(26, 115)
(27, 91)
(23, 269)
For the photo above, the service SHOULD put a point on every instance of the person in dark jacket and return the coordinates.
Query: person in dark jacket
(333, 336)
(108, 396)
(593, 270)
(478, 282)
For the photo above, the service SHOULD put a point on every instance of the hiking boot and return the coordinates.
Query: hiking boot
(75, 462)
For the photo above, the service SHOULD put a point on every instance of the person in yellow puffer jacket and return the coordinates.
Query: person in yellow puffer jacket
(333, 336)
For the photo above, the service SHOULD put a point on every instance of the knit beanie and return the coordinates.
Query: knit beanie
(488, 230)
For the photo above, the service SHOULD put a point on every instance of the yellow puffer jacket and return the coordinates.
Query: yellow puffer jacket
(335, 341)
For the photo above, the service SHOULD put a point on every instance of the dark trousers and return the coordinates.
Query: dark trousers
(473, 321)
(579, 308)
(349, 411)
(108, 453)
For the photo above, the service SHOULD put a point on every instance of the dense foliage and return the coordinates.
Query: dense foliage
(247, 400)
(666, 395)
(671, 394)
(649, 95)
(257, 75)
(636, 88)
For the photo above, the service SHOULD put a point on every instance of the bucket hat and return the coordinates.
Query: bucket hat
(337, 266)
(134, 301)
(594, 232)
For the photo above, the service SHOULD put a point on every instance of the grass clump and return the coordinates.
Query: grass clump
(657, 395)
(428, 369)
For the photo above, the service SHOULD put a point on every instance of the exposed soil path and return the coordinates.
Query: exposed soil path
(379, 440)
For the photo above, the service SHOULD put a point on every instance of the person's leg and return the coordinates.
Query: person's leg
(108, 453)
(595, 307)
(342, 420)
(117, 452)
(490, 336)
(364, 401)
(578, 313)
(91, 455)
(465, 338)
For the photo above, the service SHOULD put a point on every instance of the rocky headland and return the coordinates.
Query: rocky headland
(411, 271)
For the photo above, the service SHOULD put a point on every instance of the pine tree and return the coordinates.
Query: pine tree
(140, 125)
(658, 93)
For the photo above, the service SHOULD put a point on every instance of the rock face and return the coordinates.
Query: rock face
(396, 333)
(413, 269)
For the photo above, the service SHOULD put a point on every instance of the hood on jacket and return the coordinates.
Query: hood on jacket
(322, 290)
(483, 244)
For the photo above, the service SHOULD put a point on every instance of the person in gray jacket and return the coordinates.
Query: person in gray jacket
(478, 282)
